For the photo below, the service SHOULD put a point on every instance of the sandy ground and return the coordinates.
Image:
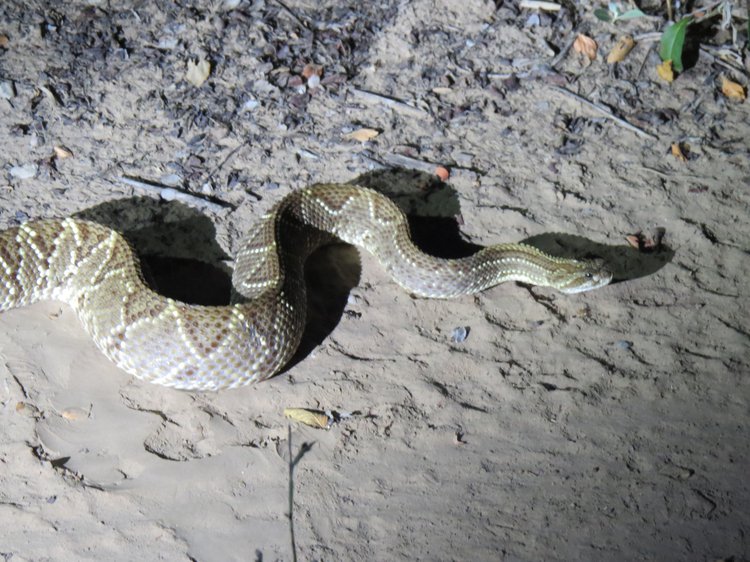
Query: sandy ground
(610, 425)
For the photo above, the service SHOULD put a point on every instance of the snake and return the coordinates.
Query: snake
(94, 269)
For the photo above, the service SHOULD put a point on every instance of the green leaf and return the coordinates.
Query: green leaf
(603, 14)
(672, 41)
(631, 14)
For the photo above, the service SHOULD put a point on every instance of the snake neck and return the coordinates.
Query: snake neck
(432, 277)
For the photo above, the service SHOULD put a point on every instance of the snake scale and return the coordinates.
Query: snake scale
(93, 269)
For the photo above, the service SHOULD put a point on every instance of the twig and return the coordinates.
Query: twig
(399, 160)
(293, 461)
(171, 194)
(606, 112)
(221, 164)
(649, 37)
(717, 59)
(540, 5)
(386, 100)
(561, 55)
(291, 494)
(294, 16)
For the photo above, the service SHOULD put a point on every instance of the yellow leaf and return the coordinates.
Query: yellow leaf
(665, 72)
(74, 414)
(362, 135)
(621, 50)
(313, 418)
(732, 90)
(62, 153)
(678, 151)
(197, 72)
(585, 45)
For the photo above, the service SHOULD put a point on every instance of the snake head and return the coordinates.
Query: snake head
(581, 275)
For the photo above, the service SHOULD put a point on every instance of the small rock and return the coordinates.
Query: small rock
(460, 334)
(7, 90)
(167, 43)
(313, 81)
(532, 20)
(250, 105)
(172, 180)
(24, 172)
(624, 344)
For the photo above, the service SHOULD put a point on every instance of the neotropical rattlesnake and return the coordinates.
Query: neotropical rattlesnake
(94, 270)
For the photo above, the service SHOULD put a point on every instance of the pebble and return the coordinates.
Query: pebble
(171, 180)
(313, 81)
(624, 344)
(7, 90)
(250, 105)
(24, 172)
(460, 334)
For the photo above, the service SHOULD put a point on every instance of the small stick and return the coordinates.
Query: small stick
(234, 151)
(561, 55)
(171, 194)
(606, 112)
(294, 16)
(386, 100)
(540, 5)
(399, 160)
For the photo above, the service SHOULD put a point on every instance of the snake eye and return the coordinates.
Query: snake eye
(588, 275)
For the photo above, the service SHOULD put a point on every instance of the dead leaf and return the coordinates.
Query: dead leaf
(621, 50)
(665, 72)
(645, 244)
(74, 414)
(313, 418)
(312, 70)
(680, 151)
(585, 45)
(197, 72)
(732, 90)
(27, 409)
(443, 173)
(634, 240)
(362, 135)
(62, 153)
(4, 41)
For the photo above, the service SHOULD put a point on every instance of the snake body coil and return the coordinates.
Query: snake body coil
(158, 339)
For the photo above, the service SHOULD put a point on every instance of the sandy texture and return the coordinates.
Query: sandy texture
(607, 425)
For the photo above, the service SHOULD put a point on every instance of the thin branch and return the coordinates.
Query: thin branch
(291, 494)
(386, 100)
(402, 161)
(606, 112)
(171, 194)
(294, 16)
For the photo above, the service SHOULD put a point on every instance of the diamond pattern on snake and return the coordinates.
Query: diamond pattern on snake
(94, 270)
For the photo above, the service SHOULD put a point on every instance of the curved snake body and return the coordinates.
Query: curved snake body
(93, 269)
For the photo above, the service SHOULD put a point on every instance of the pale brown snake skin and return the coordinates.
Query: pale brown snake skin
(94, 270)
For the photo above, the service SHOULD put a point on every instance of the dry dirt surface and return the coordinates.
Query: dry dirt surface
(610, 425)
